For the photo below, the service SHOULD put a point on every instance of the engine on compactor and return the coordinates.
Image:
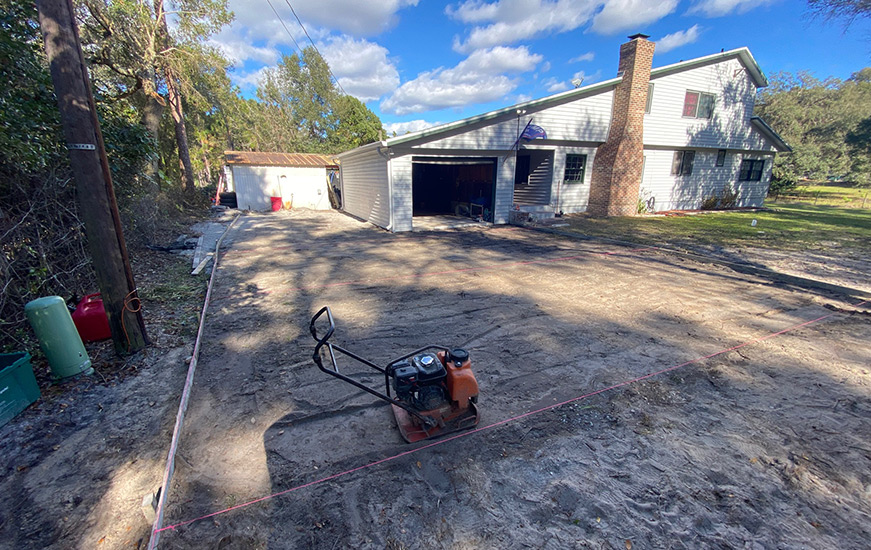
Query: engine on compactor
(420, 381)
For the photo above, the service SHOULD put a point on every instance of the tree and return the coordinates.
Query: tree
(815, 117)
(299, 99)
(357, 125)
(859, 142)
(304, 112)
(848, 10)
(143, 57)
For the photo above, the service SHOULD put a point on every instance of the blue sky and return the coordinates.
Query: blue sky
(417, 63)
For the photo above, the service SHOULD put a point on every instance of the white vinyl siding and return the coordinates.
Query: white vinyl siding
(572, 197)
(365, 186)
(673, 192)
(586, 119)
(729, 126)
(400, 169)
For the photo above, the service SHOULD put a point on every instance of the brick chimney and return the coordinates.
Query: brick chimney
(617, 166)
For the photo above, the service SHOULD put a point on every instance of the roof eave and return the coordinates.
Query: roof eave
(533, 104)
(741, 53)
(768, 132)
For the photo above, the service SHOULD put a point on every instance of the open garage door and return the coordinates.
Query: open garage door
(459, 186)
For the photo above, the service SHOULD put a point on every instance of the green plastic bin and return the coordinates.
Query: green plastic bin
(58, 337)
(18, 387)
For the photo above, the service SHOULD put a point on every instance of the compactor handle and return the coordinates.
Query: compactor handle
(314, 329)
(323, 340)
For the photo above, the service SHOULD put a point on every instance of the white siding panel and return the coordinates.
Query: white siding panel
(504, 189)
(689, 192)
(728, 128)
(572, 197)
(365, 187)
(400, 168)
(585, 119)
(752, 193)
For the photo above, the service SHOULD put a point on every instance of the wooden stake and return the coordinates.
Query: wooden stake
(90, 168)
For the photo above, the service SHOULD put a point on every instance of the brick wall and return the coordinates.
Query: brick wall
(617, 166)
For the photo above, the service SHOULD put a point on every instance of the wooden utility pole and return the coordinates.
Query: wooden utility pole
(90, 166)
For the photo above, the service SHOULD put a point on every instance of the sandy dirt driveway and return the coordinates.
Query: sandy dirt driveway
(765, 446)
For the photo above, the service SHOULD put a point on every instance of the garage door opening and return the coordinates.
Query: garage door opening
(453, 186)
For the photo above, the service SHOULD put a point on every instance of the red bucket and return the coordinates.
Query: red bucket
(90, 319)
(276, 204)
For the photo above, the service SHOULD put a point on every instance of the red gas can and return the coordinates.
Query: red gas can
(90, 319)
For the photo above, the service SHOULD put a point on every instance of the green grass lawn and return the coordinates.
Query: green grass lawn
(785, 226)
(832, 194)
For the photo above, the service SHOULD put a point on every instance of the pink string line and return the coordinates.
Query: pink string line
(444, 440)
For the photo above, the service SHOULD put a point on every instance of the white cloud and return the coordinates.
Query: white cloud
(251, 80)
(362, 67)
(237, 51)
(256, 33)
(554, 85)
(402, 128)
(717, 8)
(509, 21)
(477, 79)
(349, 16)
(589, 56)
(620, 15)
(678, 39)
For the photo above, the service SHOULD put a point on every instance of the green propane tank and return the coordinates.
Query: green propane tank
(58, 337)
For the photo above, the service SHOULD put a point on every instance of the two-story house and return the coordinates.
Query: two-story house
(671, 137)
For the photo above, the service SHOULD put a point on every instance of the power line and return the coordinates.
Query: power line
(285, 26)
(313, 45)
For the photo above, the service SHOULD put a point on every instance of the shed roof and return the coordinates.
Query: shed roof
(311, 160)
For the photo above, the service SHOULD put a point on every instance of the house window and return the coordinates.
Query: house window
(682, 165)
(575, 165)
(649, 98)
(751, 170)
(721, 157)
(698, 105)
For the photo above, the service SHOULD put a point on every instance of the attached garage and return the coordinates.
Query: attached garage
(295, 180)
(453, 186)
(605, 149)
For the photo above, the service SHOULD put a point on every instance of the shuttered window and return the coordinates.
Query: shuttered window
(649, 98)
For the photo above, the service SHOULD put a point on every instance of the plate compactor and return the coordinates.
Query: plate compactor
(435, 389)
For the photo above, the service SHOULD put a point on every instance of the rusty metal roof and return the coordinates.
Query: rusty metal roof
(279, 159)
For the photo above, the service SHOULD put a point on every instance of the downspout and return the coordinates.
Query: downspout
(385, 152)
(390, 225)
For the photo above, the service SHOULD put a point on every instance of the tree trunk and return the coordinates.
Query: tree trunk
(91, 172)
(181, 135)
(152, 111)
(175, 107)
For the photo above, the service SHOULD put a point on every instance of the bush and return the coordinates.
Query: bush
(723, 200)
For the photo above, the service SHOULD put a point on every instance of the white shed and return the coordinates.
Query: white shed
(299, 180)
